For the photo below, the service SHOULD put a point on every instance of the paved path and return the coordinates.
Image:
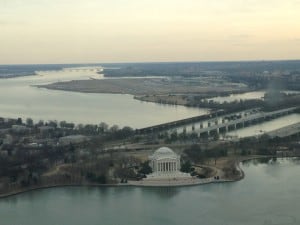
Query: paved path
(176, 182)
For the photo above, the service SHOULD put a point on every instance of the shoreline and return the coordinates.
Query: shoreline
(210, 180)
(11, 194)
(142, 86)
(2, 196)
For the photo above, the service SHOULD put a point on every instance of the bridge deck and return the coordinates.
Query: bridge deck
(217, 115)
(249, 118)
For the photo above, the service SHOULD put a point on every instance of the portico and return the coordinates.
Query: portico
(165, 163)
(166, 166)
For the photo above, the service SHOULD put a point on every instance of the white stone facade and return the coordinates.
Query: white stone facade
(165, 163)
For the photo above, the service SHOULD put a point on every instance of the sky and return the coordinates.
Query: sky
(98, 31)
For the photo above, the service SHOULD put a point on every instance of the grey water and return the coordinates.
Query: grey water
(238, 97)
(20, 98)
(268, 195)
(246, 96)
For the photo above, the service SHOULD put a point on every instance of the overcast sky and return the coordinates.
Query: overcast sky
(95, 31)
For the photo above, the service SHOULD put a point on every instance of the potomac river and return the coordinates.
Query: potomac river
(268, 195)
(19, 98)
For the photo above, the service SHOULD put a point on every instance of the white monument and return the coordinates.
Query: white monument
(165, 164)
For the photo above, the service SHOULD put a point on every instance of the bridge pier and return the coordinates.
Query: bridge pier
(229, 121)
(222, 129)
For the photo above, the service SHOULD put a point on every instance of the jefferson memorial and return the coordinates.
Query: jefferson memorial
(165, 164)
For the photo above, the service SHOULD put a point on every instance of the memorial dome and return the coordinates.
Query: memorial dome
(164, 152)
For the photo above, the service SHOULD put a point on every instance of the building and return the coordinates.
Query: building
(72, 139)
(164, 160)
(165, 164)
(19, 128)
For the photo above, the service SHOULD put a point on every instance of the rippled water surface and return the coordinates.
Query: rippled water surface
(268, 195)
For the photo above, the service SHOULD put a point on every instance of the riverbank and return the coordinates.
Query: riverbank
(169, 183)
(285, 131)
(177, 182)
(219, 177)
(164, 99)
(20, 191)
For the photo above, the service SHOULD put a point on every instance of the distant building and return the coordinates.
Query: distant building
(8, 140)
(44, 129)
(72, 139)
(19, 128)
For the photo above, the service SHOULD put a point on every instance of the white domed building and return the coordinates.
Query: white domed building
(165, 164)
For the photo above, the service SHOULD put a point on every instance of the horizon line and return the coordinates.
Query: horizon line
(157, 62)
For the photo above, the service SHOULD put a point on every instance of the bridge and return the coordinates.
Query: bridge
(207, 118)
(219, 121)
(177, 123)
(243, 121)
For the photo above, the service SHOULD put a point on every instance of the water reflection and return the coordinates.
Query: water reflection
(238, 97)
(272, 161)
(258, 161)
(162, 192)
(268, 195)
(265, 127)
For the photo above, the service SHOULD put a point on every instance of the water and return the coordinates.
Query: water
(20, 99)
(267, 126)
(269, 195)
(246, 96)
(7, 71)
(238, 97)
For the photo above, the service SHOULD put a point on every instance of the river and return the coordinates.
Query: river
(268, 195)
(20, 99)
(245, 96)
(266, 126)
(238, 97)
